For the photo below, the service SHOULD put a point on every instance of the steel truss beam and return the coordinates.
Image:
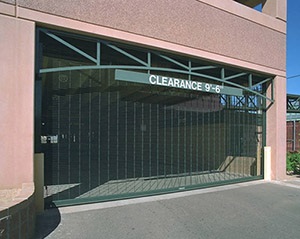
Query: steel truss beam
(246, 102)
(293, 103)
(192, 68)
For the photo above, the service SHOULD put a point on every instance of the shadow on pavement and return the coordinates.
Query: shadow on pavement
(47, 222)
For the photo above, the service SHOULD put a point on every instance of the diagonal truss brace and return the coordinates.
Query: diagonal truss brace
(142, 65)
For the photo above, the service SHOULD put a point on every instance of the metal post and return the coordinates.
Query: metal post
(39, 182)
(267, 163)
(294, 135)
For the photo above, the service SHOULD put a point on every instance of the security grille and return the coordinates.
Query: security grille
(105, 139)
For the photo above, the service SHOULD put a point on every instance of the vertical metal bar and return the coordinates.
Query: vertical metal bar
(241, 134)
(264, 122)
(243, 137)
(178, 141)
(165, 144)
(224, 146)
(69, 132)
(79, 139)
(202, 142)
(222, 75)
(98, 53)
(219, 151)
(250, 133)
(150, 141)
(117, 126)
(229, 138)
(126, 140)
(240, 139)
(149, 61)
(190, 69)
(294, 135)
(191, 148)
(208, 140)
(172, 139)
(197, 143)
(247, 139)
(184, 146)
(214, 142)
(99, 140)
(235, 138)
(142, 141)
(108, 139)
(90, 134)
(260, 130)
(134, 139)
(58, 134)
(250, 82)
(157, 142)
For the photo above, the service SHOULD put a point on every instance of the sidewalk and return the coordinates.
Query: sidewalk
(248, 210)
(291, 181)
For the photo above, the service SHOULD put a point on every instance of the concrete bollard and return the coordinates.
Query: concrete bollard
(267, 163)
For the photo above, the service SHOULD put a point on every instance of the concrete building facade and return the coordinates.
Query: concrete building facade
(245, 47)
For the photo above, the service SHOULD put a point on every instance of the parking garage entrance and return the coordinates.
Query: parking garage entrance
(118, 121)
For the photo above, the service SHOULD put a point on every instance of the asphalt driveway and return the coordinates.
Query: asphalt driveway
(248, 210)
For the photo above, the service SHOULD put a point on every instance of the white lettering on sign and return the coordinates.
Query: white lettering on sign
(183, 84)
(143, 78)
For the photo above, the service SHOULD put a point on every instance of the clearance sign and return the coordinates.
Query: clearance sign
(137, 77)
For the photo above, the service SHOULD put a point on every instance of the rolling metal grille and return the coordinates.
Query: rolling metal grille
(106, 140)
(118, 143)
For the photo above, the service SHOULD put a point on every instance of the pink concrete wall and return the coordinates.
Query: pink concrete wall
(275, 8)
(16, 101)
(224, 31)
(190, 23)
(276, 129)
(9, 1)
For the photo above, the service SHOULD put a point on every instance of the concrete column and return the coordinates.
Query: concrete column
(275, 8)
(16, 101)
(276, 129)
